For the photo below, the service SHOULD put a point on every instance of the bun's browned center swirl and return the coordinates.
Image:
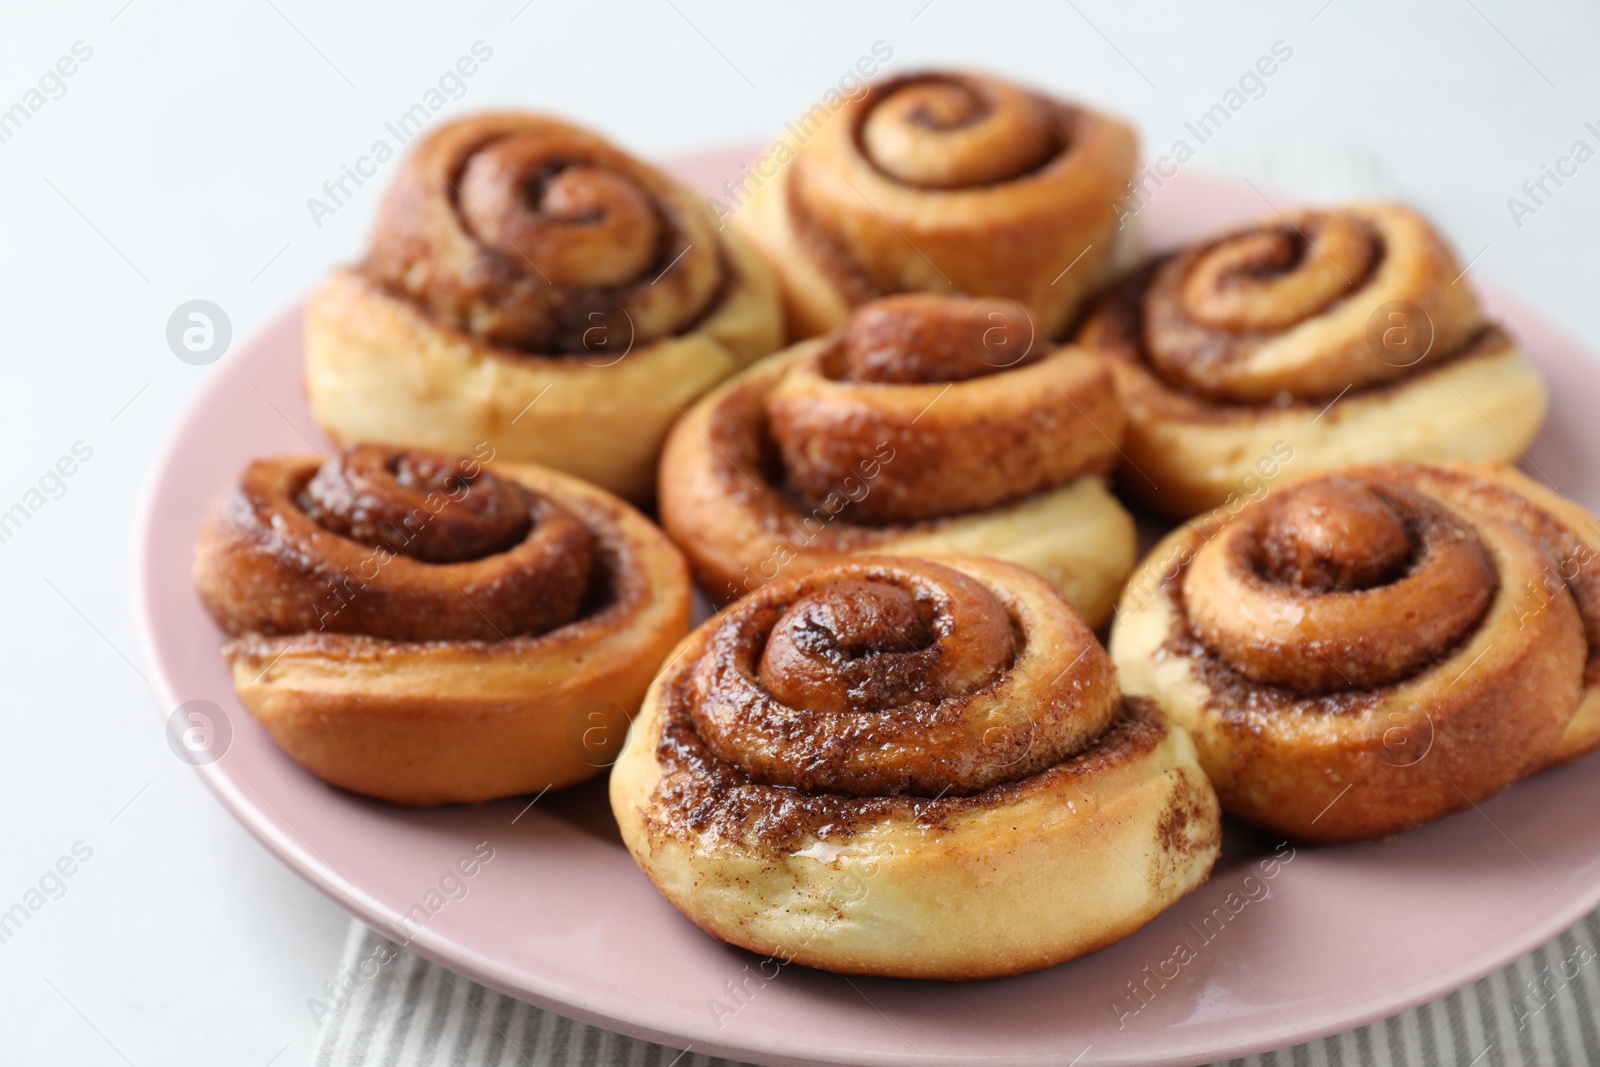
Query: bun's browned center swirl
(1336, 335)
(975, 405)
(401, 544)
(1270, 312)
(1337, 585)
(376, 495)
(886, 680)
(947, 182)
(1362, 637)
(535, 235)
(926, 716)
(882, 677)
(943, 131)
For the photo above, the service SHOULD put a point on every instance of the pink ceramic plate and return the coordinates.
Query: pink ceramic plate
(562, 918)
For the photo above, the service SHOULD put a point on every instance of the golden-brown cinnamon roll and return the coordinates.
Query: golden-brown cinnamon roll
(944, 182)
(1372, 648)
(901, 767)
(1338, 335)
(531, 285)
(411, 626)
(930, 425)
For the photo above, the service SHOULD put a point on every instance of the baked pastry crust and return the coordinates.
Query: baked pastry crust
(1570, 536)
(1335, 336)
(1367, 650)
(411, 714)
(945, 182)
(1003, 464)
(1015, 814)
(443, 339)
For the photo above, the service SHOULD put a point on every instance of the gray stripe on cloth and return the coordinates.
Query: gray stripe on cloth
(411, 1013)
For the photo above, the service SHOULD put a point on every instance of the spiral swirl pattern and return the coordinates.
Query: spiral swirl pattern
(375, 495)
(1339, 584)
(399, 544)
(948, 182)
(1336, 336)
(954, 132)
(975, 405)
(536, 235)
(886, 678)
(1283, 308)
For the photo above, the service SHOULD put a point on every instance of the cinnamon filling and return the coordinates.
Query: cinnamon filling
(1207, 311)
(407, 545)
(926, 406)
(702, 795)
(861, 684)
(883, 687)
(422, 505)
(539, 237)
(1339, 584)
(1270, 279)
(577, 224)
(945, 131)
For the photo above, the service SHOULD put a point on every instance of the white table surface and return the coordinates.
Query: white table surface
(176, 165)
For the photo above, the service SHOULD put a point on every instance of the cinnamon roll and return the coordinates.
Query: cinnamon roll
(1338, 335)
(930, 425)
(411, 626)
(531, 285)
(908, 768)
(1372, 648)
(944, 182)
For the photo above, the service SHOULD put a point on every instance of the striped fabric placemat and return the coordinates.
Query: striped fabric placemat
(412, 1013)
